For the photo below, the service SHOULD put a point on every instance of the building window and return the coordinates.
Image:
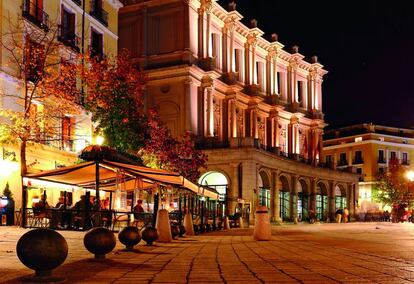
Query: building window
(278, 85)
(67, 29)
(68, 129)
(342, 160)
(393, 155)
(98, 12)
(358, 157)
(381, 156)
(299, 92)
(34, 57)
(359, 171)
(33, 11)
(381, 170)
(404, 159)
(96, 48)
(264, 197)
(358, 139)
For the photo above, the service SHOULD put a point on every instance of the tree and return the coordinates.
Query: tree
(43, 88)
(163, 151)
(7, 192)
(393, 186)
(115, 99)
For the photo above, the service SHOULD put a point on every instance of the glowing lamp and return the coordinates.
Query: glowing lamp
(410, 175)
(4, 201)
(99, 140)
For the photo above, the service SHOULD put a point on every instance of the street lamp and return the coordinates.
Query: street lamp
(99, 140)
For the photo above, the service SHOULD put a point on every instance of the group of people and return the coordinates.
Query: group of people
(342, 215)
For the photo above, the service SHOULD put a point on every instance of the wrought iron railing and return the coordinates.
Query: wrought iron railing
(35, 14)
(68, 38)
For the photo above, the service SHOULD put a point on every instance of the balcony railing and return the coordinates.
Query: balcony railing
(405, 162)
(358, 161)
(381, 161)
(68, 38)
(342, 163)
(35, 14)
(98, 13)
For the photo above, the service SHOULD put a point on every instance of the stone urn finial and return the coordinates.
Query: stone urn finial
(253, 23)
(295, 49)
(274, 37)
(314, 59)
(232, 6)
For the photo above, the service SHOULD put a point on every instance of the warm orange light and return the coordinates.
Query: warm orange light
(410, 175)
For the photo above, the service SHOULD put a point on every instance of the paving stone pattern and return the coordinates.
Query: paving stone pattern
(319, 253)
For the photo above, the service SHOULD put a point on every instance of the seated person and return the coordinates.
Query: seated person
(138, 207)
(41, 206)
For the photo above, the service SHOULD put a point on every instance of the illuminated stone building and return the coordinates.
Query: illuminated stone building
(84, 25)
(368, 148)
(255, 108)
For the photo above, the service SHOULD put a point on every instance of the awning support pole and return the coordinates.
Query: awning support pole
(97, 199)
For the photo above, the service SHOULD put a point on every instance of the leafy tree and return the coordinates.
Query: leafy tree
(163, 151)
(42, 88)
(393, 187)
(7, 192)
(115, 99)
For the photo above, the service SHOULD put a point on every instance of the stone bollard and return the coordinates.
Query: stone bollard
(241, 224)
(42, 250)
(262, 228)
(163, 226)
(226, 223)
(188, 224)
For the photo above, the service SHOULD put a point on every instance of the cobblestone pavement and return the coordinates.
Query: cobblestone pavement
(319, 253)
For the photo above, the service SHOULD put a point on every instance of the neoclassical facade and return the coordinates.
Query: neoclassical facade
(255, 108)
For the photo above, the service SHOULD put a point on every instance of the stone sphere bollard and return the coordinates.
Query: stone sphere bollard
(262, 227)
(42, 250)
(99, 241)
(175, 231)
(149, 235)
(129, 236)
(182, 230)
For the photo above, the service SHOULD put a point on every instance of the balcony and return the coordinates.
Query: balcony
(405, 162)
(358, 161)
(35, 14)
(342, 163)
(382, 160)
(98, 13)
(68, 38)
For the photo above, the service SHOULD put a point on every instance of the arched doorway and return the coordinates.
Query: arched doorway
(264, 189)
(321, 201)
(303, 200)
(284, 198)
(340, 197)
(216, 180)
(219, 182)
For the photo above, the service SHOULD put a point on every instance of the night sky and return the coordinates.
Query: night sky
(367, 46)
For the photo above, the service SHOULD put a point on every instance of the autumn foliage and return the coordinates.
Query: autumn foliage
(163, 151)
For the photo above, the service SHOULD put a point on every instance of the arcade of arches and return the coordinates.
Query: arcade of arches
(289, 190)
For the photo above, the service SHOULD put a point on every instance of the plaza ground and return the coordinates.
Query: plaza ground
(318, 253)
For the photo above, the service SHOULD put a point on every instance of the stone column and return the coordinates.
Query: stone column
(276, 198)
(350, 200)
(200, 33)
(187, 102)
(232, 118)
(312, 195)
(294, 199)
(208, 6)
(209, 112)
(331, 201)
(234, 189)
